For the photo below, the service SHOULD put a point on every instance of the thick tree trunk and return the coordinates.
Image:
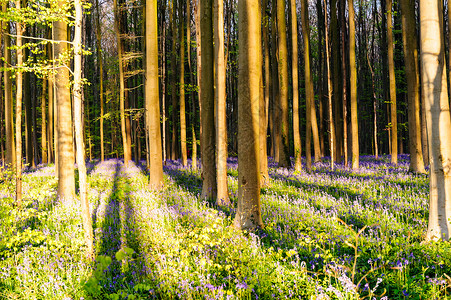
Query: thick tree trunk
(220, 104)
(353, 88)
(152, 96)
(392, 80)
(9, 119)
(409, 38)
(209, 186)
(434, 86)
(66, 179)
(77, 91)
(248, 215)
(284, 152)
(295, 75)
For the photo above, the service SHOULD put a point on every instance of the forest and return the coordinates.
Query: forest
(225, 149)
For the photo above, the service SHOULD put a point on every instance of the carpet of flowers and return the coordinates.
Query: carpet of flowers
(342, 234)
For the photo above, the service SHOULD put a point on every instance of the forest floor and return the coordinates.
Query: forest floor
(338, 234)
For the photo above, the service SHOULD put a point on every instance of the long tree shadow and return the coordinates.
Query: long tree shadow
(118, 230)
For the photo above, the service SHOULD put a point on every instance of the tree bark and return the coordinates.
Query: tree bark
(9, 119)
(248, 215)
(409, 38)
(220, 104)
(152, 96)
(284, 152)
(295, 75)
(209, 186)
(19, 96)
(66, 179)
(264, 114)
(100, 61)
(182, 111)
(44, 122)
(77, 91)
(392, 80)
(434, 86)
(329, 91)
(353, 88)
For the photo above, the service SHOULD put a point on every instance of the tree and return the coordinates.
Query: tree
(284, 153)
(409, 41)
(209, 186)
(353, 83)
(19, 96)
(392, 80)
(9, 127)
(294, 65)
(329, 91)
(152, 96)
(264, 101)
(220, 104)
(435, 93)
(100, 62)
(182, 89)
(248, 215)
(66, 179)
(77, 93)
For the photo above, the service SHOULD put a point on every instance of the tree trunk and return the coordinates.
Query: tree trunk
(220, 104)
(9, 119)
(66, 179)
(409, 38)
(353, 88)
(284, 153)
(77, 91)
(336, 80)
(182, 89)
(248, 215)
(152, 96)
(434, 86)
(120, 49)
(209, 186)
(329, 89)
(19, 87)
(100, 61)
(392, 80)
(44, 122)
(275, 86)
(345, 79)
(264, 115)
(294, 65)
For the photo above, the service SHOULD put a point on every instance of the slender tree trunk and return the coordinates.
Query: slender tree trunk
(19, 87)
(152, 96)
(320, 75)
(173, 79)
(9, 119)
(209, 186)
(220, 104)
(329, 89)
(392, 79)
(353, 86)
(66, 179)
(248, 215)
(434, 86)
(77, 90)
(120, 49)
(409, 39)
(336, 80)
(182, 89)
(294, 65)
(345, 79)
(100, 61)
(284, 154)
(264, 114)
(28, 117)
(276, 108)
(199, 71)
(44, 122)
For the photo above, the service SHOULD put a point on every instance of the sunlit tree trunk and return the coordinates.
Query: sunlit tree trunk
(152, 96)
(248, 215)
(127, 154)
(353, 88)
(209, 186)
(409, 38)
(220, 104)
(182, 111)
(434, 85)
(9, 120)
(66, 179)
(392, 80)
(44, 122)
(77, 91)
(284, 152)
(19, 87)
(294, 66)
(264, 114)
